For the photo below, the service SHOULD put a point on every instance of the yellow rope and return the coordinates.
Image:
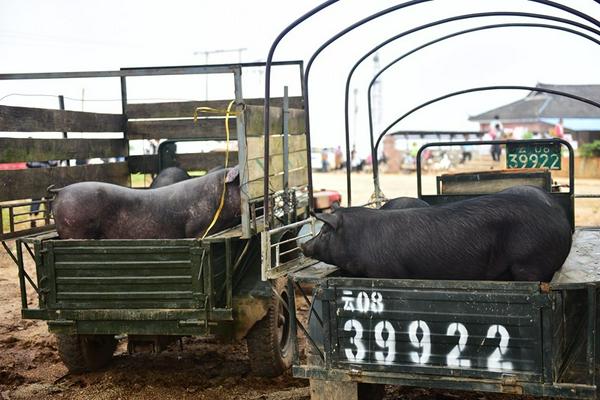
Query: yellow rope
(210, 110)
(227, 114)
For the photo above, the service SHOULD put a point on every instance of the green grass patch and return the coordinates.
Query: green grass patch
(197, 173)
(141, 180)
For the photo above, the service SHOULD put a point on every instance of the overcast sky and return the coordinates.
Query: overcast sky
(43, 36)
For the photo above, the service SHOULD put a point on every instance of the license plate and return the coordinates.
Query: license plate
(405, 328)
(533, 155)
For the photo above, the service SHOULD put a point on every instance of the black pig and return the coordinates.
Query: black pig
(520, 233)
(96, 210)
(168, 176)
(402, 203)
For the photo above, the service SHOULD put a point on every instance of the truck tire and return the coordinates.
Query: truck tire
(370, 391)
(270, 339)
(84, 353)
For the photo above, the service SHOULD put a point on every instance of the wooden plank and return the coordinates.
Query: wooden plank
(255, 121)
(494, 181)
(18, 150)
(296, 122)
(148, 164)
(205, 128)
(491, 186)
(256, 145)
(25, 119)
(296, 178)
(256, 170)
(33, 182)
(186, 108)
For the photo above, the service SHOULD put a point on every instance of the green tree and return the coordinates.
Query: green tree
(590, 149)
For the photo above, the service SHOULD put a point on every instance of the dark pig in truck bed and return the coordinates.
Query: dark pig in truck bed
(169, 176)
(520, 234)
(95, 210)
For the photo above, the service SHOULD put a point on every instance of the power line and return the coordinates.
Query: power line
(207, 53)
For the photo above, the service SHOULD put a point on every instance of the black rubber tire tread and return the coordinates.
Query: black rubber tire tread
(86, 353)
(266, 358)
(371, 391)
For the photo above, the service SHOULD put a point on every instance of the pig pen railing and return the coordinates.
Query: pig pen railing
(280, 249)
(21, 218)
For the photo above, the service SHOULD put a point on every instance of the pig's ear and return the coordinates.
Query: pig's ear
(232, 174)
(330, 219)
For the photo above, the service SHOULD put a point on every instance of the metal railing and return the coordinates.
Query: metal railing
(284, 261)
(18, 219)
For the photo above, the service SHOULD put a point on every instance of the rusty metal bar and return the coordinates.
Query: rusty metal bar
(11, 220)
(10, 253)
(311, 309)
(21, 275)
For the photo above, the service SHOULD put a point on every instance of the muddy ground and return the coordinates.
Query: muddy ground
(31, 369)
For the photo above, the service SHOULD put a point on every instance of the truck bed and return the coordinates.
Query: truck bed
(583, 263)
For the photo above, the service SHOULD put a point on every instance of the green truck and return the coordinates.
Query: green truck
(535, 338)
(156, 291)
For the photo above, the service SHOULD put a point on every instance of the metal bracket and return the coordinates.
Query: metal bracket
(325, 294)
(510, 385)
(541, 301)
(196, 322)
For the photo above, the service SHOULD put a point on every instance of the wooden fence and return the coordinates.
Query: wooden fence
(173, 120)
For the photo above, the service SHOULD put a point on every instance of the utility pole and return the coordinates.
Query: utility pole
(377, 98)
(207, 54)
(355, 119)
(378, 107)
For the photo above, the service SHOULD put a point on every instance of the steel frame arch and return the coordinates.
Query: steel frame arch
(419, 28)
(472, 90)
(440, 39)
(306, 16)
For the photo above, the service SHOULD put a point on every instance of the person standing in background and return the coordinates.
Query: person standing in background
(496, 121)
(559, 131)
(338, 158)
(496, 132)
(324, 160)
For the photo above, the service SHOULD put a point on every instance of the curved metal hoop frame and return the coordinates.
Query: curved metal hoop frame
(461, 92)
(482, 89)
(306, 16)
(440, 39)
(419, 28)
(455, 34)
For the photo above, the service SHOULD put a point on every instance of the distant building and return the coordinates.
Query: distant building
(540, 111)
